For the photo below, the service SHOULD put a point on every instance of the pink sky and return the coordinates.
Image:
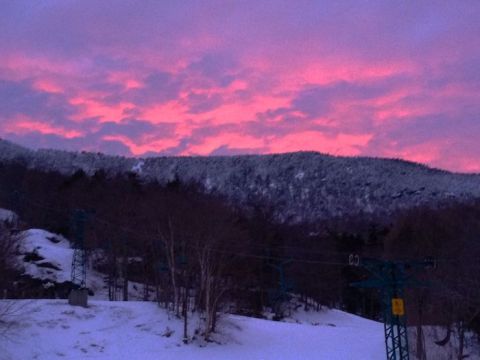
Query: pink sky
(369, 78)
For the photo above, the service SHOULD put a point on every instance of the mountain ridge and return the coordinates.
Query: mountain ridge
(300, 186)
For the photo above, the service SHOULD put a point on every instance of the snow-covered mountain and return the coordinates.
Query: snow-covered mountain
(302, 186)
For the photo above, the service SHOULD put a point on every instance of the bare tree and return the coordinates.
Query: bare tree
(215, 239)
(451, 235)
(9, 244)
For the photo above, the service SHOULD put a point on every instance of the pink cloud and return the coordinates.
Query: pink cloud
(139, 149)
(89, 107)
(24, 125)
(238, 141)
(340, 144)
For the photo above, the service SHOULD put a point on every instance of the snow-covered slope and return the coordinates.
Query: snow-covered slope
(48, 257)
(45, 256)
(50, 329)
(299, 186)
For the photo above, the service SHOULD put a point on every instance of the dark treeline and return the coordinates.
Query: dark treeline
(193, 251)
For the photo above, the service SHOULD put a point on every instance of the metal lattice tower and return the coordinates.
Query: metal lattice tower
(79, 261)
(280, 295)
(391, 279)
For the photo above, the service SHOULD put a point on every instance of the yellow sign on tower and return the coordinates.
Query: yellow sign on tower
(398, 307)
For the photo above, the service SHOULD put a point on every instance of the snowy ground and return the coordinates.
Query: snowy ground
(51, 329)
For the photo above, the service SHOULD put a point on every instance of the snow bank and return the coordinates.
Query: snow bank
(46, 256)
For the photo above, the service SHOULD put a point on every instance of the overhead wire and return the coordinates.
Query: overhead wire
(212, 249)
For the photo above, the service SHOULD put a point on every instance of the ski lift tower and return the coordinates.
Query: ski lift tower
(79, 294)
(391, 278)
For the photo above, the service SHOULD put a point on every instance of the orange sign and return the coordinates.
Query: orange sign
(398, 307)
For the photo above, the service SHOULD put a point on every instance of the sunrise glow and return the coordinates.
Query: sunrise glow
(218, 78)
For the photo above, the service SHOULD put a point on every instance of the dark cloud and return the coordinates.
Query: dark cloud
(200, 103)
(178, 149)
(19, 97)
(373, 29)
(423, 129)
(135, 129)
(107, 88)
(158, 88)
(219, 68)
(76, 29)
(226, 150)
(317, 101)
(37, 140)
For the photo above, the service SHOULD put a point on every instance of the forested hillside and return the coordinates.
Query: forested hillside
(298, 187)
(194, 251)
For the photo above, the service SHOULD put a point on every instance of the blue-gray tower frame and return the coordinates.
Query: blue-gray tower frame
(79, 261)
(391, 279)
